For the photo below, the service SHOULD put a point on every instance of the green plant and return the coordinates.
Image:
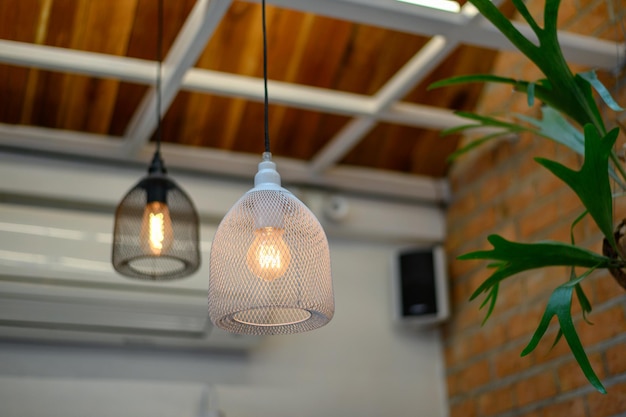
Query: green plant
(568, 100)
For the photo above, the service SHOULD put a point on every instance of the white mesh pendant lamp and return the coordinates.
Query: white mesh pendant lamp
(270, 261)
(156, 231)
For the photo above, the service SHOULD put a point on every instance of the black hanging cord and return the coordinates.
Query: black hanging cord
(266, 106)
(157, 166)
(159, 53)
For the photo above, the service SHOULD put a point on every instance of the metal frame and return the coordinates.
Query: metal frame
(447, 29)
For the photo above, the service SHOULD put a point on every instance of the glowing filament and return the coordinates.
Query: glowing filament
(156, 228)
(269, 255)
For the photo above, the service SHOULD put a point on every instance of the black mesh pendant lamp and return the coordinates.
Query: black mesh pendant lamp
(156, 232)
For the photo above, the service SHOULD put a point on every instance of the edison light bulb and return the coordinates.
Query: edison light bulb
(269, 255)
(156, 228)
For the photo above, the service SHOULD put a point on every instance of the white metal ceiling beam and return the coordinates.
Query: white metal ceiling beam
(222, 163)
(189, 44)
(78, 62)
(390, 14)
(206, 81)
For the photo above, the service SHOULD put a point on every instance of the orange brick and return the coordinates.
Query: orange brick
(466, 408)
(496, 401)
(481, 224)
(528, 165)
(547, 184)
(523, 197)
(535, 388)
(470, 317)
(606, 288)
(459, 294)
(496, 98)
(545, 352)
(571, 408)
(607, 324)
(562, 232)
(571, 376)
(493, 186)
(452, 382)
(570, 206)
(509, 362)
(454, 354)
(607, 405)
(616, 359)
(485, 339)
(540, 283)
(473, 376)
(567, 11)
(541, 216)
(525, 322)
(461, 208)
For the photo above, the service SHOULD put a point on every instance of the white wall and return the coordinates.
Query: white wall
(360, 364)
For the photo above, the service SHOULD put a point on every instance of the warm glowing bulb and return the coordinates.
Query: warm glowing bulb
(269, 255)
(156, 228)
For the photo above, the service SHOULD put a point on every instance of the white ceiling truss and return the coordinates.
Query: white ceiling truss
(447, 31)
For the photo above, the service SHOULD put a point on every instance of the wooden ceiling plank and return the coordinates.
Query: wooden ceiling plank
(341, 144)
(431, 55)
(191, 40)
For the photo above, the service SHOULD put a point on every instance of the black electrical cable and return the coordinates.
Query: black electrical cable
(159, 54)
(266, 106)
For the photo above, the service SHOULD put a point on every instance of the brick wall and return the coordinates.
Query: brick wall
(500, 189)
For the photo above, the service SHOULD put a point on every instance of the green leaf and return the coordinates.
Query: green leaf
(559, 305)
(585, 305)
(516, 257)
(597, 85)
(558, 337)
(472, 78)
(487, 120)
(574, 223)
(491, 299)
(531, 94)
(491, 12)
(554, 126)
(568, 94)
(591, 183)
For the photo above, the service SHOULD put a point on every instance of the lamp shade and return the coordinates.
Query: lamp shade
(270, 263)
(156, 231)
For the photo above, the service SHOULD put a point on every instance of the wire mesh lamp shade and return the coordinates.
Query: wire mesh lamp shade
(270, 264)
(156, 232)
